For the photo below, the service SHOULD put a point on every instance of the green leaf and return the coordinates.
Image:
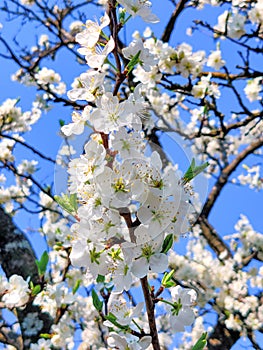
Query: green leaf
(201, 342)
(45, 335)
(167, 243)
(36, 290)
(100, 279)
(170, 284)
(193, 171)
(166, 281)
(74, 201)
(98, 304)
(61, 122)
(76, 287)
(42, 263)
(122, 17)
(135, 59)
(68, 203)
(112, 318)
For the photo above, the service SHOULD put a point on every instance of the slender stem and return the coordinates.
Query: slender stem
(27, 146)
(150, 313)
(166, 302)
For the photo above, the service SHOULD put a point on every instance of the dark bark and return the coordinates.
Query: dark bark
(150, 313)
(170, 25)
(222, 338)
(17, 257)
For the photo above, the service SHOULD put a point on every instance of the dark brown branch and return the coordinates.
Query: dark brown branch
(114, 27)
(9, 337)
(224, 76)
(150, 313)
(170, 25)
(225, 174)
(251, 337)
(28, 146)
(214, 240)
(12, 168)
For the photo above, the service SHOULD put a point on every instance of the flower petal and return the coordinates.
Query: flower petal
(140, 267)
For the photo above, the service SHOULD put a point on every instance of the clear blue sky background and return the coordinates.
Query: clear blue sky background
(233, 200)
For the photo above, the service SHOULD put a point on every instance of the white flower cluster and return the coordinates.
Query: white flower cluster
(250, 239)
(128, 204)
(15, 292)
(231, 24)
(13, 119)
(253, 88)
(18, 193)
(46, 78)
(205, 88)
(252, 178)
(220, 281)
(215, 60)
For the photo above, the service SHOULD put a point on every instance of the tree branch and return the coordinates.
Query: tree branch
(150, 313)
(225, 174)
(8, 336)
(213, 239)
(34, 150)
(170, 25)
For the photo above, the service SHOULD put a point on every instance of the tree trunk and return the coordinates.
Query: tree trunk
(222, 338)
(17, 257)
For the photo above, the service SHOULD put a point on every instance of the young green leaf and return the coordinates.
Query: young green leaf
(68, 203)
(193, 171)
(135, 59)
(167, 243)
(166, 281)
(201, 342)
(76, 286)
(36, 290)
(73, 201)
(61, 122)
(98, 304)
(113, 319)
(45, 335)
(100, 279)
(122, 17)
(42, 263)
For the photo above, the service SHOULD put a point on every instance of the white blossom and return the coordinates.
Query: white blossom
(215, 60)
(139, 8)
(17, 293)
(90, 35)
(253, 88)
(182, 314)
(110, 114)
